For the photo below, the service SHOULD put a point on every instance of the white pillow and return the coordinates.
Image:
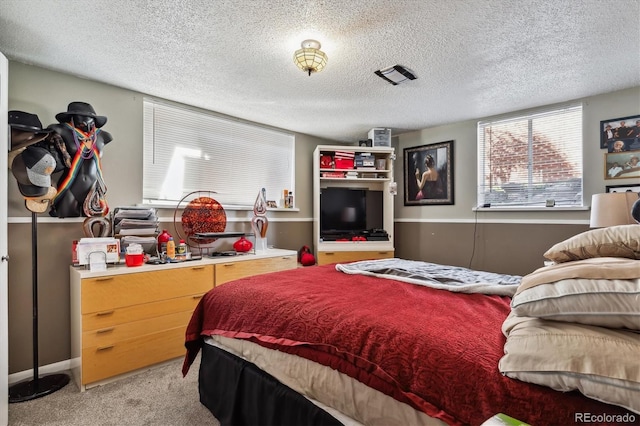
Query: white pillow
(599, 362)
(613, 241)
(613, 303)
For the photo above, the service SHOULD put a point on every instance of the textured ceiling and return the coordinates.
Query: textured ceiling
(473, 58)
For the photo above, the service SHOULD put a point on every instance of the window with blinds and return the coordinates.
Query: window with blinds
(525, 161)
(187, 151)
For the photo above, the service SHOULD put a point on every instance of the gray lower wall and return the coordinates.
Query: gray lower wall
(508, 248)
(508, 243)
(47, 93)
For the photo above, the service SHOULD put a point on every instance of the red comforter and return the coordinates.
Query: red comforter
(433, 349)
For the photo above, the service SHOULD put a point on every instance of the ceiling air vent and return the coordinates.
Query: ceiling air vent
(396, 74)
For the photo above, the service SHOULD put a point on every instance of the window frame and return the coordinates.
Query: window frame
(482, 201)
(255, 148)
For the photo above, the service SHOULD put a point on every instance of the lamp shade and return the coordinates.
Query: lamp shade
(612, 208)
(310, 58)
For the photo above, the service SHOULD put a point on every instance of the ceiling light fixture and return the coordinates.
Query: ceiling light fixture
(310, 58)
(396, 74)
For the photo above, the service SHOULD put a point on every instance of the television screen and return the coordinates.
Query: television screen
(350, 210)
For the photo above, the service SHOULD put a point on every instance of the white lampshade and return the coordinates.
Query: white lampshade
(612, 208)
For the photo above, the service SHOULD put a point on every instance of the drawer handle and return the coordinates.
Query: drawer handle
(196, 268)
(105, 330)
(228, 265)
(104, 279)
(102, 314)
(104, 348)
(328, 253)
(197, 296)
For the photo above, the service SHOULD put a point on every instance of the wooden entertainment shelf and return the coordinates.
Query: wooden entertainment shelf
(375, 175)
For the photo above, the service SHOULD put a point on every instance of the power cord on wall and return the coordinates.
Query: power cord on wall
(475, 227)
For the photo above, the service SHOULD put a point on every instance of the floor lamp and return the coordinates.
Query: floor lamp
(38, 386)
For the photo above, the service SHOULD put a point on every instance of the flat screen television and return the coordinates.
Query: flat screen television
(350, 210)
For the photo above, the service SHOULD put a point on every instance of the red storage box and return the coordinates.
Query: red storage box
(344, 163)
(344, 159)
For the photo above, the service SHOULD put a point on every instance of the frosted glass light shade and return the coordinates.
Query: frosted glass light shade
(310, 58)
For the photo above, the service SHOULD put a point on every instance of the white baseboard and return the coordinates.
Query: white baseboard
(58, 367)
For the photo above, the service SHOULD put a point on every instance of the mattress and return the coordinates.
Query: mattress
(348, 400)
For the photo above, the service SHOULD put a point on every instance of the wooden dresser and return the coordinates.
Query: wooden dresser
(126, 319)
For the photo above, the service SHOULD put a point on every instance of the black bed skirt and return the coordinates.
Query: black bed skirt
(239, 393)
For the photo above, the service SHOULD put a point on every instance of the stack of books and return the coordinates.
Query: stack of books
(136, 225)
(333, 174)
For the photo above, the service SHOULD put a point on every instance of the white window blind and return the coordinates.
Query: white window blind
(524, 161)
(187, 151)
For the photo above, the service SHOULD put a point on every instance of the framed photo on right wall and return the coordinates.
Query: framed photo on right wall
(624, 188)
(620, 134)
(622, 165)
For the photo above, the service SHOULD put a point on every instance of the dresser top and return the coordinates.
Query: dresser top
(121, 268)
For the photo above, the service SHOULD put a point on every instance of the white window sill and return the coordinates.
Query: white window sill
(529, 209)
(173, 205)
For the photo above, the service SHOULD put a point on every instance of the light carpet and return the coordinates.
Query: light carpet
(159, 396)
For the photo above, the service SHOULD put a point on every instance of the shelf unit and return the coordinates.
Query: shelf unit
(377, 180)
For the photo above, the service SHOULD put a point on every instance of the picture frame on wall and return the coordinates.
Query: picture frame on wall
(622, 165)
(428, 174)
(620, 134)
(624, 188)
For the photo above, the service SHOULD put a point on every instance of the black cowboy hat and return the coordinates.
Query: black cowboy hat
(26, 129)
(81, 108)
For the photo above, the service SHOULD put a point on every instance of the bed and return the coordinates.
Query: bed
(369, 343)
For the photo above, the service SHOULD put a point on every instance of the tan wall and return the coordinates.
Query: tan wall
(47, 93)
(507, 242)
(510, 243)
(464, 134)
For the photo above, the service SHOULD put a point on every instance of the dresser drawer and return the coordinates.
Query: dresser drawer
(112, 317)
(325, 257)
(99, 363)
(226, 272)
(117, 333)
(116, 291)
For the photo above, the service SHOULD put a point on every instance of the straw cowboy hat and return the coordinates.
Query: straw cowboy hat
(81, 108)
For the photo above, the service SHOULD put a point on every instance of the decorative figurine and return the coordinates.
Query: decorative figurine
(259, 222)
